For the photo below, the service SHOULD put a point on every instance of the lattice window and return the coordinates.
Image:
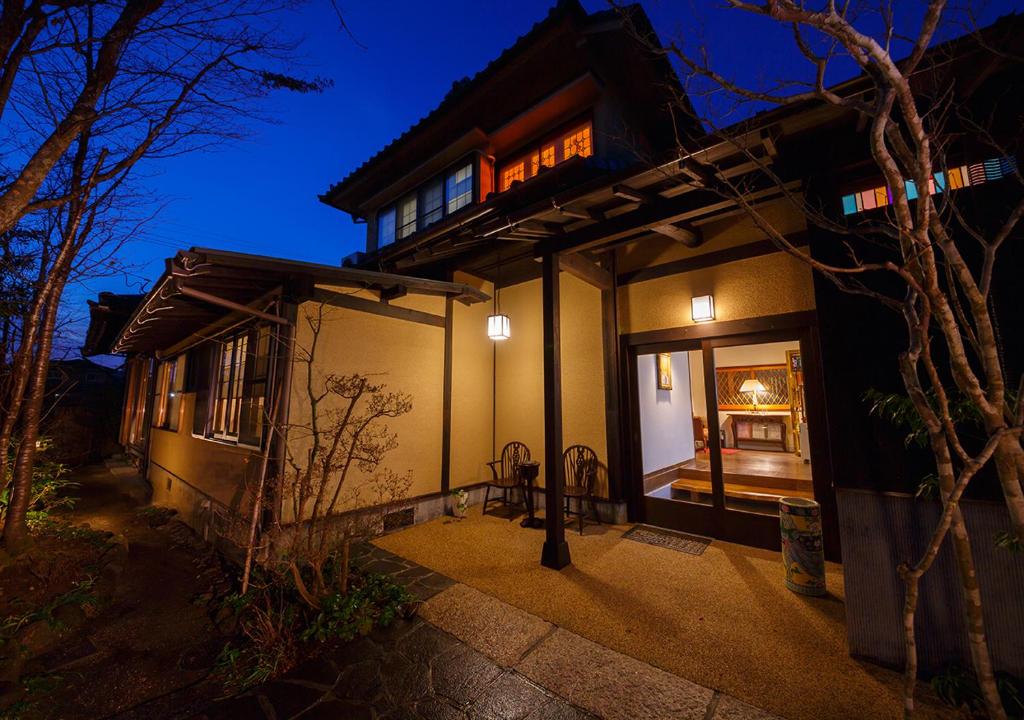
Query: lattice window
(776, 387)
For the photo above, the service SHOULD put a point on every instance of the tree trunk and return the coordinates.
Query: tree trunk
(977, 641)
(15, 534)
(1009, 460)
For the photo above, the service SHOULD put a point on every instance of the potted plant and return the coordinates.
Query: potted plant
(460, 500)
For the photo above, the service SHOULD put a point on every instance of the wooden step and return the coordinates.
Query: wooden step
(739, 492)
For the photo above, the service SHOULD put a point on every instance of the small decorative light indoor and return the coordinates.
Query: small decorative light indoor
(753, 386)
(498, 325)
(702, 308)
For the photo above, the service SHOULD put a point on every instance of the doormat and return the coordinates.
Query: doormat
(679, 541)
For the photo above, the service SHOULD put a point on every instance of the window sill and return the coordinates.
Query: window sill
(225, 442)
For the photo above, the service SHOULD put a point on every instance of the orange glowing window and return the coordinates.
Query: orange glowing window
(565, 145)
(512, 173)
(547, 156)
(577, 143)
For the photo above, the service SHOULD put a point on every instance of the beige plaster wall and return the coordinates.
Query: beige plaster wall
(407, 357)
(520, 369)
(472, 381)
(754, 287)
(219, 470)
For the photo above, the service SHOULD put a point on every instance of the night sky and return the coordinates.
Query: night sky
(260, 195)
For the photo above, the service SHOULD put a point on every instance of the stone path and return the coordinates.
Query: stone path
(470, 656)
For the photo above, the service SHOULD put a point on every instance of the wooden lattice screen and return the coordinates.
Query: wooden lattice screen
(773, 377)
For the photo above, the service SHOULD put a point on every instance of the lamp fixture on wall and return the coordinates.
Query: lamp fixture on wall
(499, 327)
(753, 386)
(702, 308)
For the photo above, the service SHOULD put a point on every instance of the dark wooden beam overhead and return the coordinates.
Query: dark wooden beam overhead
(628, 193)
(646, 217)
(393, 292)
(687, 234)
(579, 213)
(586, 270)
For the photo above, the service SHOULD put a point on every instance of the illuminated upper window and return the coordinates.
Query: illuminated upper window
(431, 202)
(577, 141)
(460, 188)
(954, 178)
(407, 217)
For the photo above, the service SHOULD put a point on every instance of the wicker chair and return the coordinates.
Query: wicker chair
(580, 475)
(506, 473)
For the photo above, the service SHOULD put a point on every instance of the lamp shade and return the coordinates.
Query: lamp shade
(752, 385)
(702, 308)
(499, 327)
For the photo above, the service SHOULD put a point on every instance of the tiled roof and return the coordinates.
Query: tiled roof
(461, 88)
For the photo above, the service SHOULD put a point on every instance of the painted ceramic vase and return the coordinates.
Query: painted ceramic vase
(802, 553)
(460, 501)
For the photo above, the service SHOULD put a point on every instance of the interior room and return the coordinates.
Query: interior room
(762, 426)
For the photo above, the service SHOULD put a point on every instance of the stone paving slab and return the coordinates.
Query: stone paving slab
(500, 631)
(422, 582)
(610, 684)
(584, 673)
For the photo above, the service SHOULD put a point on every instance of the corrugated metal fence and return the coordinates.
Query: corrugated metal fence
(879, 531)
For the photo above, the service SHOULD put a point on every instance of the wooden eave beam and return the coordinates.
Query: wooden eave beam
(686, 234)
(632, 194)
(586, 270)
(646, 217)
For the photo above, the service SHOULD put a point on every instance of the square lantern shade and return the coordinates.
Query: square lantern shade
(702, 308)
(498, 327)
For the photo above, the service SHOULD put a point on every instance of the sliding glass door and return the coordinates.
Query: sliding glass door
(721, 432)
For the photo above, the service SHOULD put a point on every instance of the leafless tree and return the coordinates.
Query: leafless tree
(925, 244)
(90, 89)
(335, 484)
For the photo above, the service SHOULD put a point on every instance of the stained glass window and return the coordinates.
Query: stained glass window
(953, 178)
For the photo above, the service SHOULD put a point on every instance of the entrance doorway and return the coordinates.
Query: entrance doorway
(723, 428)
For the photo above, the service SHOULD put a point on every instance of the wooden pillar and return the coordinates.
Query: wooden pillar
(556, 551)
(613, 414)
(446, 407)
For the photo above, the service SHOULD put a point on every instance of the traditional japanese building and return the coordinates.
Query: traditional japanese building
(547, 263)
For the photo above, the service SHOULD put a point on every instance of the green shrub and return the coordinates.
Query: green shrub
(277, 627)
(959, 688)
(50, 487)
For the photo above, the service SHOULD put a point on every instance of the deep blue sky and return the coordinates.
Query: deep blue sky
(260, 195)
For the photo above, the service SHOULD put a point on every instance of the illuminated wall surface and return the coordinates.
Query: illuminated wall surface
(955, 178)
(754, 287)
(407, 357)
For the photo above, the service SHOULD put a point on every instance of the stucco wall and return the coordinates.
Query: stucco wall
(520, 370)
(216, 469)
(754, 287)
(472, 381)
(405, 356)
(666, 416)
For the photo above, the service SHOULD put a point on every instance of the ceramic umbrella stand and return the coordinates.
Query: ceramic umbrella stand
(802, 552)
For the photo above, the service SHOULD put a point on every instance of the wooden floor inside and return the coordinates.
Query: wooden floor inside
(754, 475)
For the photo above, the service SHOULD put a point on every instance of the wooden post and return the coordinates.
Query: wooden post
(613, 416)
(555, 554)
(446, 407)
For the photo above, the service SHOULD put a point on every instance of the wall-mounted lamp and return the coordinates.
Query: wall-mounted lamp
(498, 327)
(702, 308)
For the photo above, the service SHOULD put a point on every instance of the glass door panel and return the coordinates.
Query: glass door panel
(762, 424)
(673, 427)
